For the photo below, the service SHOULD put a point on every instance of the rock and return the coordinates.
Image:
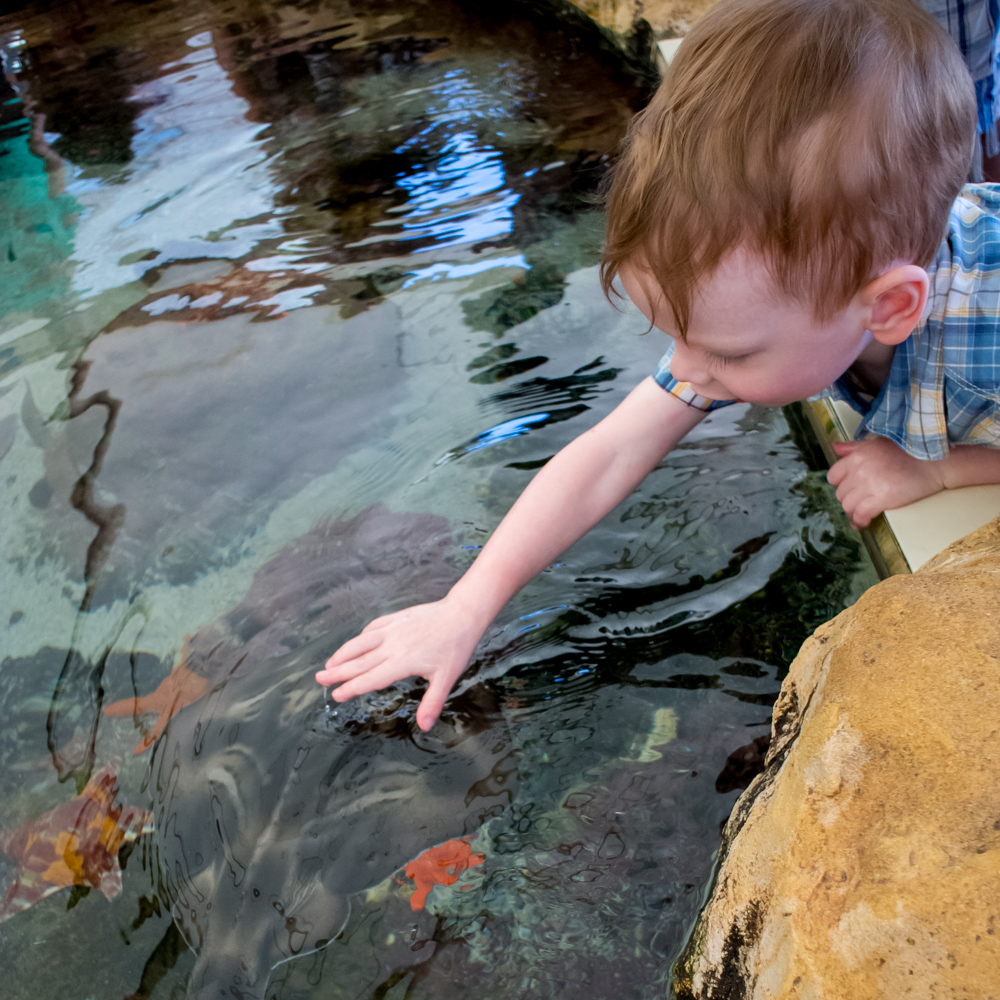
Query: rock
(864, 862)
(667, 18)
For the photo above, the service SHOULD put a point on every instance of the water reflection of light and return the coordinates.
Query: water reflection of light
(517, 427)
(10, 56)
(193, 141)
(460, 199)
(461, 196)
(285, 262)
(434, 272)
(463, 171)
(293, 298)
(449, 201)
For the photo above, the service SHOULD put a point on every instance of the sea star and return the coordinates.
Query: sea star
(177, 689)
(440, 865)
(76, 843)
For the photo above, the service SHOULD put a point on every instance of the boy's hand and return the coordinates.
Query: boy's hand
(434, 641)
(567, 497)
(874, 475)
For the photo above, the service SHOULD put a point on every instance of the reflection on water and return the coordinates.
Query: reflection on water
(296, 296)
(451, 203)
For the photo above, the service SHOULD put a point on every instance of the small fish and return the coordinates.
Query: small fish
(179, 688)
(77, 843)
(440, 865)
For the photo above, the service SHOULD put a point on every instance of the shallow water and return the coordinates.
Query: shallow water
(295, 298)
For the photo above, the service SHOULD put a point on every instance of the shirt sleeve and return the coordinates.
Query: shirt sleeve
(683, 390)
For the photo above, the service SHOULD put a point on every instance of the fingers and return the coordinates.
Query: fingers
(352, 668)
(859, 506)
(842, 448)
(851, 502)
(844, 492)
(865, 511)
(433, 700)
(429, 640)
(844, 465)
(852, 490)
(357, 646)
(859, 519)
(377, 676)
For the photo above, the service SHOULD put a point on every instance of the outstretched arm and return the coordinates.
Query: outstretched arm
(874, 475)
(570, 494)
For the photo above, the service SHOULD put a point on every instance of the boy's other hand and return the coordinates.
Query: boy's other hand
(434, 641)
(875, 475)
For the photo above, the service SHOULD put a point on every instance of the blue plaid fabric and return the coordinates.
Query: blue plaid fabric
(973, 26)
(944, 384)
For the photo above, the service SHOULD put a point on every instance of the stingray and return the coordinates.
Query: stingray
(331, 581)
(273, 806)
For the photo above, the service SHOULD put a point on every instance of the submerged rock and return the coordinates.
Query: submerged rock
(865, 861)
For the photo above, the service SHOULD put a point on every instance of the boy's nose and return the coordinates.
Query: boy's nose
(684, 365)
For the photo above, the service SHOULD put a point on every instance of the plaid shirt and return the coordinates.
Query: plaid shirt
(944, 384)
(973, 26)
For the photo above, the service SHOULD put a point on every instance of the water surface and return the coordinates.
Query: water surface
(283, 277)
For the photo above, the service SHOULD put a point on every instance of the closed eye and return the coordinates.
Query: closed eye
(724, 360)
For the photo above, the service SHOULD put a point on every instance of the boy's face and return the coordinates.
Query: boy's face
(747, 341)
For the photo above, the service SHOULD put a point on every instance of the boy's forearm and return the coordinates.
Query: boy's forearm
(559, 506)
(970, 465)
(571, 493)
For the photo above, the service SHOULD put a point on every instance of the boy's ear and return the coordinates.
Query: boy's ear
(896, 301)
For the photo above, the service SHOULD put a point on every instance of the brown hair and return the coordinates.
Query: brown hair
(830, 136)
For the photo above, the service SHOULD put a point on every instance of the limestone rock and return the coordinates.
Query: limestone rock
(864, 863)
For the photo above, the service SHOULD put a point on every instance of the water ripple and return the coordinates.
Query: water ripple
(508, 430)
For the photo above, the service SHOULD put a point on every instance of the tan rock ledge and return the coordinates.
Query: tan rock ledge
(864, 863)
(667, 18)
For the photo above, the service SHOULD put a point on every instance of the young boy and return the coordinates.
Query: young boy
(778, 212)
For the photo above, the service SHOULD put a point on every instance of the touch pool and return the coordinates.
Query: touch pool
(295, 297)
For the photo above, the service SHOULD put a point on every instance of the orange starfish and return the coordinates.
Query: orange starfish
(76, 843)
(440, 865)
(177, 689)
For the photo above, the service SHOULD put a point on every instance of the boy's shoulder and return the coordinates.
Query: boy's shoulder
(965, 272)
(972, 239)
(983, 197)
(964, 305)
